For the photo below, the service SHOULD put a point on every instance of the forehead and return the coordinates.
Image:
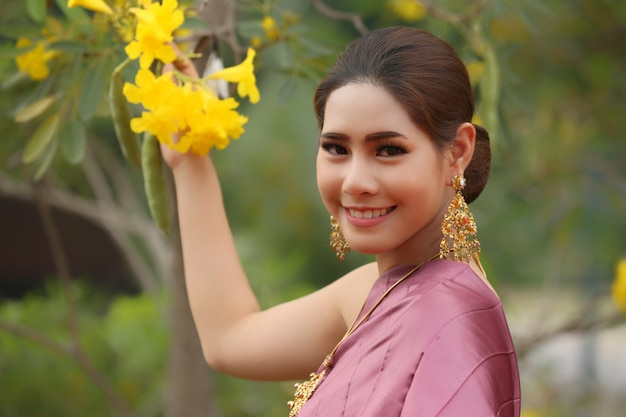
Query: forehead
(364, 108)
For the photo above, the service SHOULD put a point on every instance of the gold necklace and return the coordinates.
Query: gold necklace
(305, 389)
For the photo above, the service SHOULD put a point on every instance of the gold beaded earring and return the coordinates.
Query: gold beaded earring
(458, 227)
(337, 240)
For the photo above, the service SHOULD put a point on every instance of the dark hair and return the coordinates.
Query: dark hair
(426, 76)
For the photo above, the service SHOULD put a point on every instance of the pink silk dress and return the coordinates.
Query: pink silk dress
(437, 346)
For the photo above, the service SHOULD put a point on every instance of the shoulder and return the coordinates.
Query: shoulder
(453, 285)
(449, 300)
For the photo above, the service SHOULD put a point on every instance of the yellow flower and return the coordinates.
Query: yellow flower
(203, 119)
(243, 74)
(156, 24)
(411, 10)
(34, 62)
(269, 26)
(256, 42)
(475, 71)
(94, 5)
(618, 290)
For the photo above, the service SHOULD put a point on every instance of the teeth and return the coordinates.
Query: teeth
(368, 214)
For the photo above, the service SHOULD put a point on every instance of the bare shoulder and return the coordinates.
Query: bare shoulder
(350, 291)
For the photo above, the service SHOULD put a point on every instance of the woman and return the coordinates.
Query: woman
(411, 334)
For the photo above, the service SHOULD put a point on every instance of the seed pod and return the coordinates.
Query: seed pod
(121, 118)
(154, 182)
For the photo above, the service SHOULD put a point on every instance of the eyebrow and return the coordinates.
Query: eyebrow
(372, 137)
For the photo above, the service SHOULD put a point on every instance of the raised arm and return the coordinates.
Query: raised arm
(285, 342)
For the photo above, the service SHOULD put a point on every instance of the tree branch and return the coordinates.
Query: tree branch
(102, 214)
(456, 19)
(356, 19)
(59, 256)
(104, 198)
(72, 351)
(63, 271)
(579, 324)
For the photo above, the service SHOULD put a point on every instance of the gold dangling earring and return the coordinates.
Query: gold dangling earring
(458, 227)
(337, 240)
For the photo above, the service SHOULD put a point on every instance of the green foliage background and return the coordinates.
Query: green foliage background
(553, 213)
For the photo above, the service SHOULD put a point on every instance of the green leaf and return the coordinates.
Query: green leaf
(40, 140)
(36, 9)
(47, 159)
(69, 46)
(73, 138)
(73, 14)
(34, 109)
(91, 90)
(13, 80)
(20, 29)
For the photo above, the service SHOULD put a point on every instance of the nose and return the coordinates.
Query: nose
(359, 178)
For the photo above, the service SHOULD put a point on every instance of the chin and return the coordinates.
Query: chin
(369, 249)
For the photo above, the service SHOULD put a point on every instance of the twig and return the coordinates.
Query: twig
(109, 214)
(73, 352)
(104, 197)
(576, 325)
(59, 257)
(221, 17)
(356, 19)
(456, 19)
(35, 336)
(63, 271)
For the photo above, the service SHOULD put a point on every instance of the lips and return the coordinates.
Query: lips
(369, 213)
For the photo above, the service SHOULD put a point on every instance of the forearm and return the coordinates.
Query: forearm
(218, 291)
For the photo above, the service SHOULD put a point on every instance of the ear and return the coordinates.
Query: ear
(460, 151)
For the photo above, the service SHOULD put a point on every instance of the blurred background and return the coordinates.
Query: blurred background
(93, 318)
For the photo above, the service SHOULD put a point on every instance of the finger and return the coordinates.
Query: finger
(182, 63)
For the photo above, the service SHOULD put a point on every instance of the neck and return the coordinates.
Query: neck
(413, 254)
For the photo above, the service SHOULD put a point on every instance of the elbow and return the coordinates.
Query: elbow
(214, 359)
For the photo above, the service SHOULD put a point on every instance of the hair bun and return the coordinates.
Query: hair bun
(477, 172)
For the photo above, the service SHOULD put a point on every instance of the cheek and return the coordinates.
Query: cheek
(328, 183)
(324, 182)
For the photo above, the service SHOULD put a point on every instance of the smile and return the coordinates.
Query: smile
(369, 214)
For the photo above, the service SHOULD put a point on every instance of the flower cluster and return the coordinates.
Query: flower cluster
(95, 5)
(34, 62)
(185, 107)
(618, 290)
(203, 119)
(156, 24)
(410, 10)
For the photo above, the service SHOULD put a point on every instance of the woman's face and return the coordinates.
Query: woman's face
(381, 176)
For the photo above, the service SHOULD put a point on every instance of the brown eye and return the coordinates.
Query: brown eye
(391, 151)
(334, 149)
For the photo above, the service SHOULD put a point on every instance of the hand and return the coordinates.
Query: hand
(171, 157)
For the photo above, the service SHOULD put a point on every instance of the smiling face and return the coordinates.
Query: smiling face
(381, 176)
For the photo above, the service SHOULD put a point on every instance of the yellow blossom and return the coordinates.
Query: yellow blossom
(243, 74)
(94, 5)
(203, 119)
(411, 10)
(475, 70)
(256, 42)
(34, 62)
(269, 26)
(618, 290)
(156, 23)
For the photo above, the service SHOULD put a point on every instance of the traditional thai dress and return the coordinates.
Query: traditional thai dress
(437, 346)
